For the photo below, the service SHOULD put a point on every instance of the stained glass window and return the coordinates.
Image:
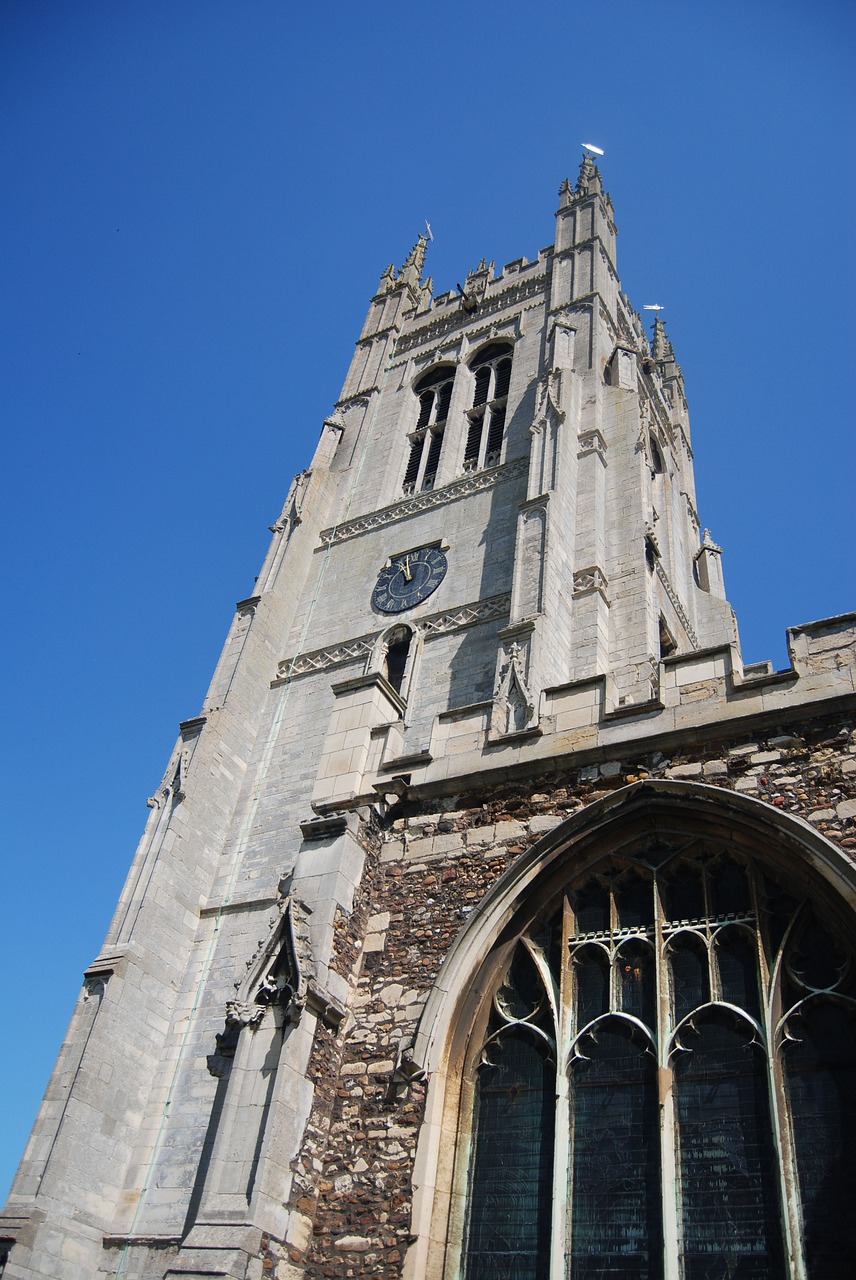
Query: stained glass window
(667, 1083)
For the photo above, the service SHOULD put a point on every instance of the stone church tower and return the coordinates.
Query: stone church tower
(492, 918)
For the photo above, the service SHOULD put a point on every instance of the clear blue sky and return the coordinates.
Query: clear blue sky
(200, 199)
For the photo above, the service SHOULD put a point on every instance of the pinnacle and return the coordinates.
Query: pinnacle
(415, 260)
(589, 177)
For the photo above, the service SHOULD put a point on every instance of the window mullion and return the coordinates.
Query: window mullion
(787, 1165)
(562, 1148)
(485, 422)
(669, 1172)
(426, 449)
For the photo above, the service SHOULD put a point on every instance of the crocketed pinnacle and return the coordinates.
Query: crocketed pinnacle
(589, 177)
(415, 260)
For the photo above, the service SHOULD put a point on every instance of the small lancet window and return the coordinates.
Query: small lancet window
(434, 396)
(657, 465)
(486, 418)
(396, 657)
(668, 644)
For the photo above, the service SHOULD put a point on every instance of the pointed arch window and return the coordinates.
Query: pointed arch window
(665, 1085)
(434, 395)
(396, 657)
(486, 419)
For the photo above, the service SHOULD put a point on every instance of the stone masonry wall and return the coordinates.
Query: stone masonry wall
(355, 1171)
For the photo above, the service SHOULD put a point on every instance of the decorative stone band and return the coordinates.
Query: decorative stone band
(678, 607)
(456, 317)
(338, 655)
(475, 482)
(468, 615)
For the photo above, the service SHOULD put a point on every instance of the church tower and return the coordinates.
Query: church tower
(483, 836)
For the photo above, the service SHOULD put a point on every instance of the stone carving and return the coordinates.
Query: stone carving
(592, 442)
(591, 579)
(475, 482)
(549, 392)
(466, 615)
(513, 704)
(290, 514)
(320, 659)
(431, 332)
(676, 604)
(278, 974)
(691, 511)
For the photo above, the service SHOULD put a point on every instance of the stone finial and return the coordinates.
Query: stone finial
(566, 194)
(411, 268)
(658, 348)
(588, 181)
(387, 278)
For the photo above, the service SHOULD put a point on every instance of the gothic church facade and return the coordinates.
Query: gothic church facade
(492, 918)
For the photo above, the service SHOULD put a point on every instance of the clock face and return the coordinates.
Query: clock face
(409, 579)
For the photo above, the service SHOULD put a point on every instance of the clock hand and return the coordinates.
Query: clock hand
(405, 568)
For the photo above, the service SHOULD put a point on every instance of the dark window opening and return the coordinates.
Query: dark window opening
(397, 653)
(657, 464)
(433, 459)
(668, 645)
(412, 470)
(486, 427)
(434, 392)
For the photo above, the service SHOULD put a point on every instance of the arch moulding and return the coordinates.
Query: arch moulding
(652, 808)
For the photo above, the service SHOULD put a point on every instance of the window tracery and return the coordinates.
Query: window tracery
(486, 418)
(434, 394)
(674, 1042)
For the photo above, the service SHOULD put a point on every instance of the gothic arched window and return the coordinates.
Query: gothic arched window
(396, 655)
(486, 418)
(664, 1085)
(434, 394)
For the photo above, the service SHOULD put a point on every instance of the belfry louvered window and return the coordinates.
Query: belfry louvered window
(665, 1084)
(486, 418)
(434, 395)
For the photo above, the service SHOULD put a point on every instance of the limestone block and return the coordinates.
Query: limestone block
(691, 770)
(847, 809)
(544, 822)
(510, 830)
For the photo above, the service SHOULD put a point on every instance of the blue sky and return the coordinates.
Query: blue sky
(201, 197)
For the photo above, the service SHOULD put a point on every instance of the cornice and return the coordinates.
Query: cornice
(431, 331)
